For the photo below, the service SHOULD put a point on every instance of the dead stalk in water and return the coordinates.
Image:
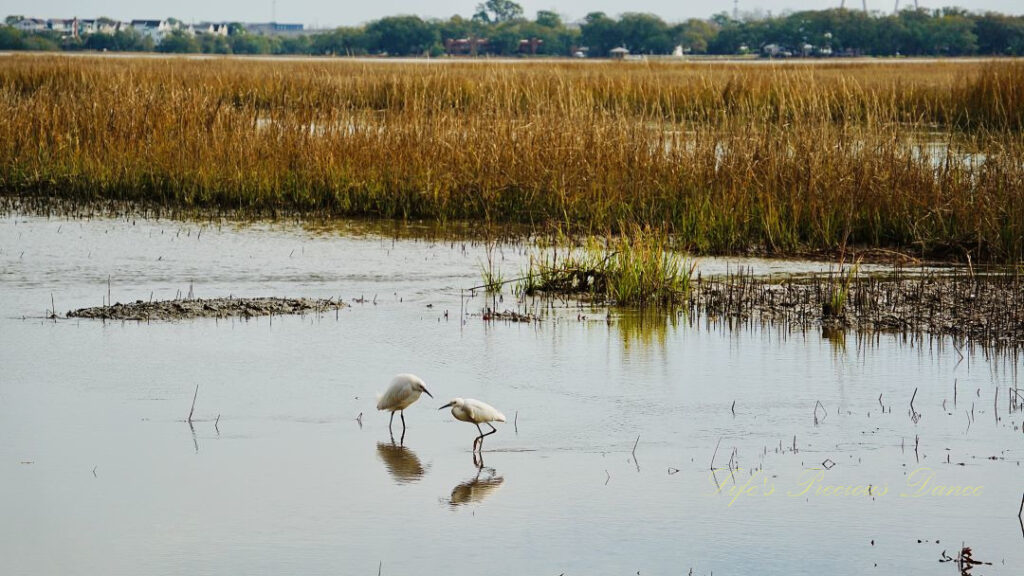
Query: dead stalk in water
(915, 416)
(191, 410)
(824, 412)
(635, 461)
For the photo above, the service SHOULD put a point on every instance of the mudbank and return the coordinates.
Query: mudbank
(213, 308)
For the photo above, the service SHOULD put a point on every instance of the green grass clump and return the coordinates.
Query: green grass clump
(834, 305)
(639, 269)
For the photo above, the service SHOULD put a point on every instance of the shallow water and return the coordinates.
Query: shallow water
(102, 475)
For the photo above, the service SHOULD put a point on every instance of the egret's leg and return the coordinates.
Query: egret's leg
(482, 435)
(479, 439)
(401, 441)
(402, 414)
(390, 421)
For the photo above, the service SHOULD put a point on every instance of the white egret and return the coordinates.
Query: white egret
(475, 412)
(403, 391)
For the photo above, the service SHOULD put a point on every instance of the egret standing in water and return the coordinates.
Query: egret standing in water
(475, 412)
(403, 391)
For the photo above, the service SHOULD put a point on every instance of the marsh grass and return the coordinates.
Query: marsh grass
(724, 158)
(638, 269)
(490, 271)
(838, 287)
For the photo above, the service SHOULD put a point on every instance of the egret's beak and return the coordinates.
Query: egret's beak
(427, 392)
(448, 405)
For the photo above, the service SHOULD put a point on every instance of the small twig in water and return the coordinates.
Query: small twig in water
(634, 453)
(193, 404)
(515, 421)
(715, 454)
(733, 408)
(914, 414)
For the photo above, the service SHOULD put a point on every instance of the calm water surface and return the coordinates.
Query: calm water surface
(101, 475)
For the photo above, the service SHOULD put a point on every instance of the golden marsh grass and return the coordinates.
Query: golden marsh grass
(919, 157)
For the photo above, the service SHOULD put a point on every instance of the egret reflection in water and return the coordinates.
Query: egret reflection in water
(477, 488)
(402, 464)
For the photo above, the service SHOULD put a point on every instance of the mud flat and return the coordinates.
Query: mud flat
(982, 308)
(170, 310)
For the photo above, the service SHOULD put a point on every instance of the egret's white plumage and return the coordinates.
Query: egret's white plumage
(475, 412)
(403, 391)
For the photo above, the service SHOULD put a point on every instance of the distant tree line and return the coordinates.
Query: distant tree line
(499, 27)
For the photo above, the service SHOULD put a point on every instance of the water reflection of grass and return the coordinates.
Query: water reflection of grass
(645, 328)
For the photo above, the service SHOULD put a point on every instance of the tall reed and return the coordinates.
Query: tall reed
(726, 158)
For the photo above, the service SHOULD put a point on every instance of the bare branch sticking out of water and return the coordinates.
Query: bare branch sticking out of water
(915, 416)
(733, 408)
(824, 412)
(715, 454)
(634, 453)
(193, 405)
(1020, 515)
(608, 477)
(515, 421)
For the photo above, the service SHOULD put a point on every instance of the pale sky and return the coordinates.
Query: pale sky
(321, 13)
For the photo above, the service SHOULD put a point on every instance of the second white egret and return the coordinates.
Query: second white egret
(475, 412)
